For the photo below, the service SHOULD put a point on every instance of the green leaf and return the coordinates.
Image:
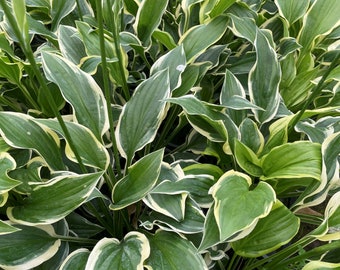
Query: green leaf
(128, 254)
(7, 163)
(251, 135)
(80, 90)
(76, 260)
(211, 235)
(20, 131)
(169, 251)
(141, 178)
(91, 151)
(11, 71)
(61, 9)
(319, 265)
(270, 233)
(148, 18)
(81, 226)
(264, 79)
(243, 27)
(247, 159)
(200, 37)
(231, 193)
(322, 17)
(292, 10)
(54, 199)
(16, 248)
(19, 11)
(291, 160)
(142, 114)
(6, 228)
(175, 61)
(220, 7)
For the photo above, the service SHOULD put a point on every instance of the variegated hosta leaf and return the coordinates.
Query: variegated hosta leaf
(270, 233)
(264, 79)
(175, 62)
(251, 136)
(76, 260)
(169, 251)
(130, 253)
(140, 179)
(198, 38)
(80, 90)
(59, 10)
(55, 199)
(20, 131)
(317, 265)
(6, 228)
(142, 115)
(91, 151)
(7, 163)
(243, 27)
(148, 18)
(292, 10)
(228, 215)
(28, 247)
(291, 160)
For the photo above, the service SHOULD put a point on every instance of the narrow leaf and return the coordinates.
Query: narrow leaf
(6, 228)
(7, 163)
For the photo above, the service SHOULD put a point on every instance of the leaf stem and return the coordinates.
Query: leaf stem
(30, 56)
(76, 239)
(107, 89)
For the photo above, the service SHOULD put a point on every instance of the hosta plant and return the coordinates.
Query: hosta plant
(193, 134)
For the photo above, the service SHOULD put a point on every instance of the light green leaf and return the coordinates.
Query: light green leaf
(16, 248)
(19, 11)
(206, 118)
(247, 159)
(20, 131)
(54, 199)
(128, 254)
(322, 17)
(11, 71)
(231, 193)
(91, 151)
(7, 163)
(264, 79)
(148, 18)
(175, 61)
(198, 38)
(270, 233)
(319, 265)
(142, 114)
(164, 38)
(292, 10)
(169, 251)
(60, 9)
(291, 160)
(80, 90)
(141, 178)
(220, 7)
(76, 260)
(6, 228)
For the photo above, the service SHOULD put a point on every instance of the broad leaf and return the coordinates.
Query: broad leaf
(76, 260)
(14, 251)
(270, 233)
(243, 27)
(142, 115)
(148, 17)
(251, 135)
(198, 38)
(55, 199)
(231, 193)
(109, 253)
(291, 160)
(169, 251)
(141, 178)
(80, 90)
(20, 131)
(292, 10)
(264, 79)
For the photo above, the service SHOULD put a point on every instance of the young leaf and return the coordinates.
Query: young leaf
(176, 253)
(76, 260)
(200, 37)
(291, 160)
(141, 178)
(28, 247)
(142, 114)
(231, 193)
(80, 90)
(20, 131)
(55, 199)
(148, 17)
(264, 79)
(270, 233)
(130, 253)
